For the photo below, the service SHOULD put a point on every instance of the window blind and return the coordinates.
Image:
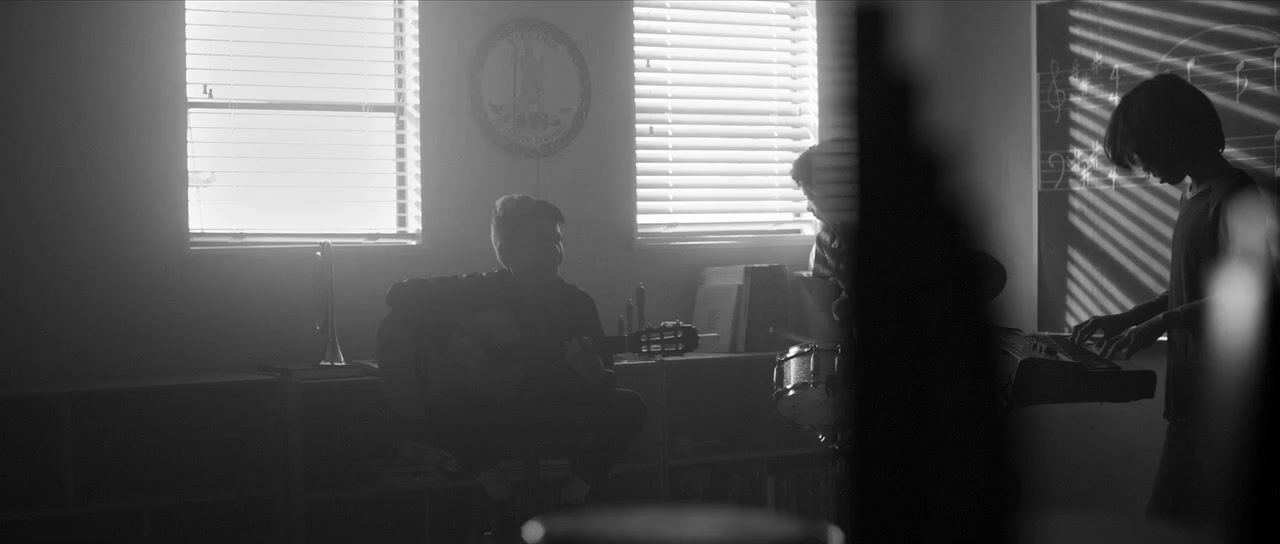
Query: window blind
(726, 99)
(303, 122)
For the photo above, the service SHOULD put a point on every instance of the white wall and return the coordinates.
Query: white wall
(93, 199)
(106, 287)
(1086, 469)
(592, 179)
(972, 65)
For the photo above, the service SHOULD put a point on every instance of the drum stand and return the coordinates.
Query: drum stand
(835, 433)
(837, 441)
(838, 438)
(840, 443)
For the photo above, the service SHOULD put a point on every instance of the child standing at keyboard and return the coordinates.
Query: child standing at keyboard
(1169, 128)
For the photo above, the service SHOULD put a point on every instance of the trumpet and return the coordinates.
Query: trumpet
(327, 325)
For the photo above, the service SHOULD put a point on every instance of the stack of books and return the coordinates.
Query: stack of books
(741, 305)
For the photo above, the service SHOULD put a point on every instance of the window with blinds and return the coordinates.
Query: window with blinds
(726, 99)
(303, 122)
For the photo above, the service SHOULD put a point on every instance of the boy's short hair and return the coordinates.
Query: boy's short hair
(513, 214)
(1162, 121)
(818, 163)
(826, 173)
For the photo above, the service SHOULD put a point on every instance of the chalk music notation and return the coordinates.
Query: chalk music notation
(1081, 167)
(1228, 76)
(1075, 105)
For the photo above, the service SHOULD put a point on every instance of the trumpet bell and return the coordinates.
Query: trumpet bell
(333, 352)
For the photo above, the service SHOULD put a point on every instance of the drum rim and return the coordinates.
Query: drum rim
(783, 392)
(808, 347)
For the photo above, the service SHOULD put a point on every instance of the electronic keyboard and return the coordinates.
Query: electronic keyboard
(1048, 368)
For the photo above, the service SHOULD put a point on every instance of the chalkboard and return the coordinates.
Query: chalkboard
(1104, 233)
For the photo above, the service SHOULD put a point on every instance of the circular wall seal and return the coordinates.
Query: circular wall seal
(530, 90)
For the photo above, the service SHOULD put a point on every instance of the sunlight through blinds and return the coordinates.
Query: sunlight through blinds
(1106, 233)
(726, 98)
(303, 122)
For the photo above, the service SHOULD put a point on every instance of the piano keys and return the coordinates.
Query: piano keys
(1048, 368)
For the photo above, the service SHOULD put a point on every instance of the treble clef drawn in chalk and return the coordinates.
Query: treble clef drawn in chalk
(1062, 168)
(1242, 82)
(1057, 97)
(1115, 78)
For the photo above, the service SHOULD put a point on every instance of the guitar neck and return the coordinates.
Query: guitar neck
(669, 338)
(654, 341)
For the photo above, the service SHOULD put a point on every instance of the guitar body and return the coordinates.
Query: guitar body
(397, 354)
(463, 361)
(419, 366)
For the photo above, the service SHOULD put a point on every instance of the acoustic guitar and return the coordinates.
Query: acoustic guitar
(414, 367)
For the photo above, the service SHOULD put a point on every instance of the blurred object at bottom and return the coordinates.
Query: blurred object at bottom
(683, 524)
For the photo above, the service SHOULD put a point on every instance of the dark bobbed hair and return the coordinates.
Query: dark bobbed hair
(514, 214)
(1163, 122)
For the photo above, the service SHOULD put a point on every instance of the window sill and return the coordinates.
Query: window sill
(275, 244)
(790, 241)
(301, 250)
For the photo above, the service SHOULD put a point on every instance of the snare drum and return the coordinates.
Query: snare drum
(806, 386)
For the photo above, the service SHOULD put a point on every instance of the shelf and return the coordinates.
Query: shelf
(728, 457)
(133, 505)
(374, 490)
(134, 384)
(513, 472)
(698, 357)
